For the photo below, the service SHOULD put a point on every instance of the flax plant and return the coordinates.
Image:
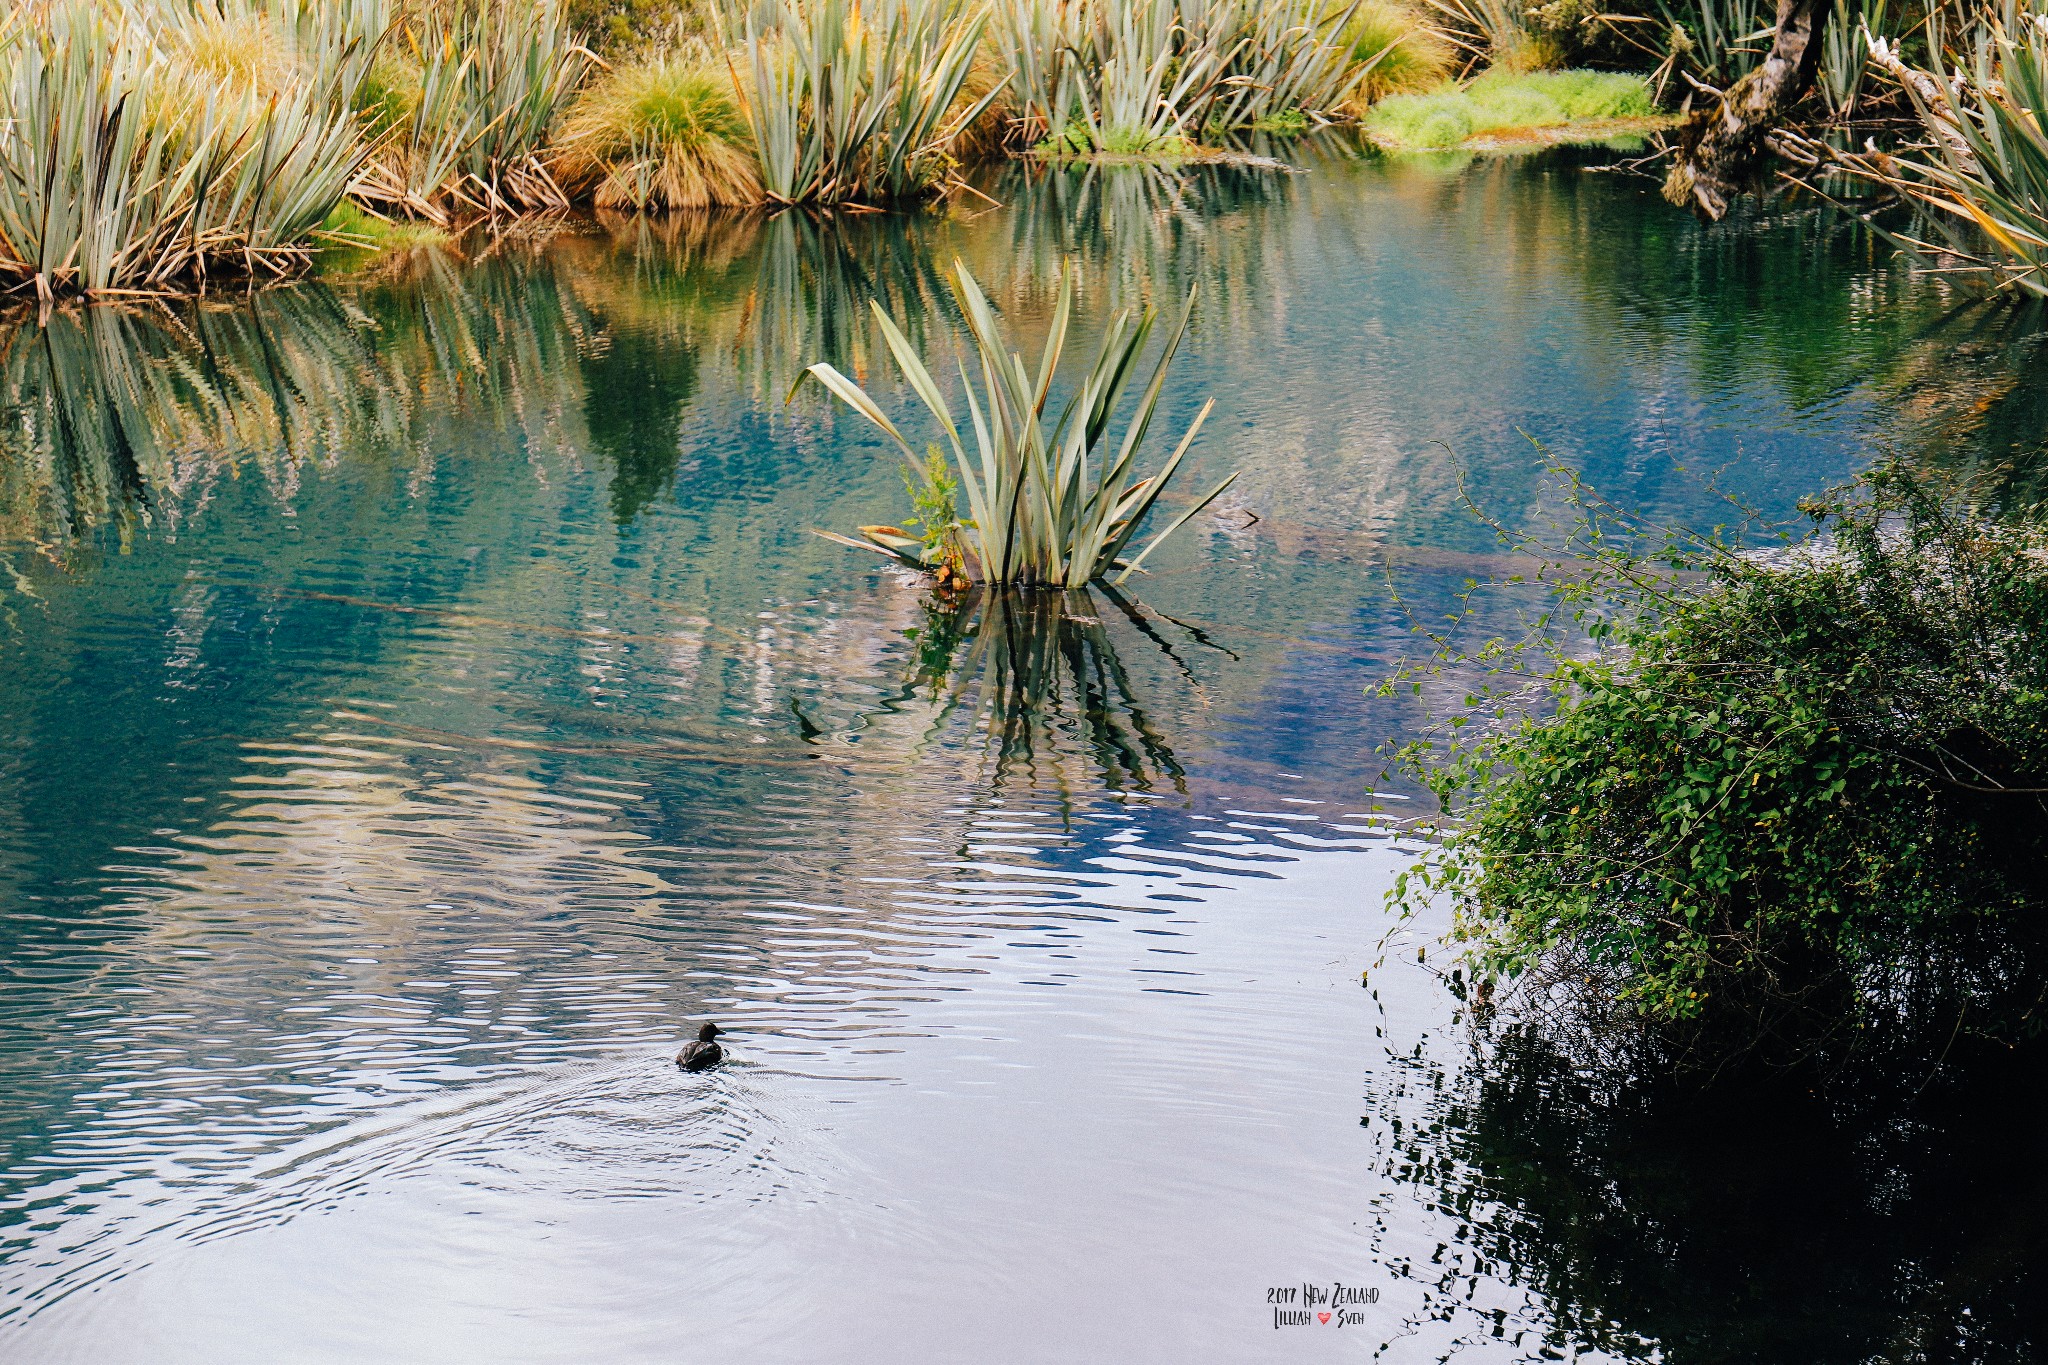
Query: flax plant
(1286, 57)
(1983, 174)
(494, 78)
(1049, 506)
(120, 172)
(858, 106)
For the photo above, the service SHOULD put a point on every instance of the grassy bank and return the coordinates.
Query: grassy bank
(1503, 104)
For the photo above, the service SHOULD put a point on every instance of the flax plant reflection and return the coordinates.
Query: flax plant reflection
(1042, 679)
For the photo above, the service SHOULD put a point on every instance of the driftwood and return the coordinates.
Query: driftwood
(1719, 146)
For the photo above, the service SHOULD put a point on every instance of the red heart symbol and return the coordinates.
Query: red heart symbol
(1322, 1317)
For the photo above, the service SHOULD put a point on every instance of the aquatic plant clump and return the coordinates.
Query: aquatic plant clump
(1801, 797)
(1501, 102)
(1048, 506)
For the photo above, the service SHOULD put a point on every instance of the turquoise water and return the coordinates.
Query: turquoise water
(422, 702)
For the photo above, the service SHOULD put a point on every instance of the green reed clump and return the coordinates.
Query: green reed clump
(1501, 101)
(1048, 505)
(659, 133)
(1777, 790)
(1152, 77)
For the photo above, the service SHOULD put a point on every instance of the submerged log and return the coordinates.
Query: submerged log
(1719, 145)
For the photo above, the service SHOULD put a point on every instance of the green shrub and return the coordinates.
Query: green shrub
(1807, 785)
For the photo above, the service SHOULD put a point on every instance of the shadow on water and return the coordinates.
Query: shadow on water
(1895, 1214)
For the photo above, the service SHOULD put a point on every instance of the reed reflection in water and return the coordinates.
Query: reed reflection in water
(1040, 674)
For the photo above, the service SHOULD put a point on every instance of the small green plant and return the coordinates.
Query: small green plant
(1051, 505)
(1284, 123)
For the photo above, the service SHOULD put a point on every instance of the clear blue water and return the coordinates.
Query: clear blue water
(422, 702)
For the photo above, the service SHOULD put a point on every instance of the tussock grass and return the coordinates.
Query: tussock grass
(660, 133)
(1406, 55)
(1500, 101)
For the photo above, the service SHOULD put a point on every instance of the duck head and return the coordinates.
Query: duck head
(708, 1032)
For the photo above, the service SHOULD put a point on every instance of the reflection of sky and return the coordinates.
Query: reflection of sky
(383, 793)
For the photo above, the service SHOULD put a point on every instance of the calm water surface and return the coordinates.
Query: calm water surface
(422, 701)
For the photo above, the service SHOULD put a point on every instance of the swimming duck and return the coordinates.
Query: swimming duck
(703, 1054)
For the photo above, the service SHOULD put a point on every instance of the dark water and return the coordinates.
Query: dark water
(422, 701)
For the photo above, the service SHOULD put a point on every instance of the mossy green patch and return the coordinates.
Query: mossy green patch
(352, 238)
(1501, 100)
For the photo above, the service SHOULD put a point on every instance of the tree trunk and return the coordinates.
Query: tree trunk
(1719, 145)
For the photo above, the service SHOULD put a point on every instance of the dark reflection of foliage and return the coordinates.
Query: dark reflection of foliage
(1045, 682)
(129, 417)
(1897, 1215)
(639, 382)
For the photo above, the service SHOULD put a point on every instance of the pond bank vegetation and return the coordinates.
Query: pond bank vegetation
(161, 147)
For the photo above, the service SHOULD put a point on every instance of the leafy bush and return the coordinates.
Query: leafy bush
(1808, 785)
(1500, 100)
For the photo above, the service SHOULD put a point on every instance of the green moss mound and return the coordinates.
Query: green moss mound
(1500, 101)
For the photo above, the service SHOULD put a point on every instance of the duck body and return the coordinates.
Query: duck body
(703, 1054)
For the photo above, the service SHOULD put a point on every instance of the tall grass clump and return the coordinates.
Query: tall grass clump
(1982, 176)
(1502, 101)
(853, 103)
(125, 167)
(1047, 505)
(1281, 61)
(659, 133)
